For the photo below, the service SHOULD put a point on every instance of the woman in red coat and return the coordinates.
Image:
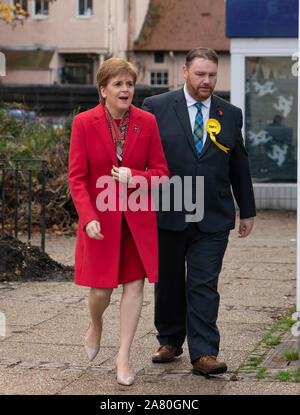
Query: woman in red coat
(115, 152)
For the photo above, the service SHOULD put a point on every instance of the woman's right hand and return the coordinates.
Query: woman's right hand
(93, 230)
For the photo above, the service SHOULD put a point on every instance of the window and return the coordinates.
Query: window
(85, 8)
(40, 8)
(158, 57)
(23, 4)
(20, 5)
(271, 117)
(74, 74)
(77, 69)
(159, 78)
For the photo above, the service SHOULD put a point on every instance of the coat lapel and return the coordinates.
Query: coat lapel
(103, 133)
(133, 133)
(181, 110)
(134, 130)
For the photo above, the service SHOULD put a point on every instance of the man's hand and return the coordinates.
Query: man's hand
(246, 226)
(93, 230)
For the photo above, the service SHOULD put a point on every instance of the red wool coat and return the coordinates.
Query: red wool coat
(92, 155)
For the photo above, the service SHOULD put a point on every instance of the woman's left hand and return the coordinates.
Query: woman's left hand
(121, 174)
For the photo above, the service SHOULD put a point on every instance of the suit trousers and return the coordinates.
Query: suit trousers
(186, 295)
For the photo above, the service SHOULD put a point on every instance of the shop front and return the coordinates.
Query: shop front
(264, 67)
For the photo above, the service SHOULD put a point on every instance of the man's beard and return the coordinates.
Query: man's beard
(199, 94)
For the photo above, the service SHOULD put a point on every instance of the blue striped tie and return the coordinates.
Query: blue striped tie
(198, 129)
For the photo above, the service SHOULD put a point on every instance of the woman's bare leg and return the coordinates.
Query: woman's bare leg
(130, 310)
(98, 301)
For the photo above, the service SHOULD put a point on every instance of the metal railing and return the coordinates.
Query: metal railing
(29, 171)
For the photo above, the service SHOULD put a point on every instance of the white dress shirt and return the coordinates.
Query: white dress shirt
(192, 109)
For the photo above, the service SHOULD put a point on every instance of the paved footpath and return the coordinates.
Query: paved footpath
(42, 352)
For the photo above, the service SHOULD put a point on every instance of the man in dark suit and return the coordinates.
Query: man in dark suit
(191, 253)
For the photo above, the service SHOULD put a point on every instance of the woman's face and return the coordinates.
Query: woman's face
(118, 94)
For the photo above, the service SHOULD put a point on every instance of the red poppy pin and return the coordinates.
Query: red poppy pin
(220, 112)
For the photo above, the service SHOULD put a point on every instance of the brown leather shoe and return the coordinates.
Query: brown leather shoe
(208, 365)
(166, 353)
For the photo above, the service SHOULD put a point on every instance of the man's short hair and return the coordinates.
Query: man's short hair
(204, 53)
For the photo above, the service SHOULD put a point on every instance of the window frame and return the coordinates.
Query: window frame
(163, 71)
(39, 16)
(84, 16)
(13, 3)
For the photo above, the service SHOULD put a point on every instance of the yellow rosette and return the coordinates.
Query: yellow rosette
(213, 127)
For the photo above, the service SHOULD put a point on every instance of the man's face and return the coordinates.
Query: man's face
(200, 78)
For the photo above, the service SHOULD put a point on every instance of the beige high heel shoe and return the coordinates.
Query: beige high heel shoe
(90, 351)
(126, 381)
(123, 380)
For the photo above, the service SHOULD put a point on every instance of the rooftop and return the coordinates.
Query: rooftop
(181, 25)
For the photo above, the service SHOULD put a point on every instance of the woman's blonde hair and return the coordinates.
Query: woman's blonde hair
(111, 68)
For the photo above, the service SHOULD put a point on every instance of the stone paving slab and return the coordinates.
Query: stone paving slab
(155, 384)
(261, 388)
(276, 359)
(25, 381)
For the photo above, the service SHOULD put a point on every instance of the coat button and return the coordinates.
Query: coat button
(120, 195)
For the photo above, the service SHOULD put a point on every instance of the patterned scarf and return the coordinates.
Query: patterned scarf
(118, 132)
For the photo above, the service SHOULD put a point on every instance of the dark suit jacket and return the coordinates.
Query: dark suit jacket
(222, 172)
